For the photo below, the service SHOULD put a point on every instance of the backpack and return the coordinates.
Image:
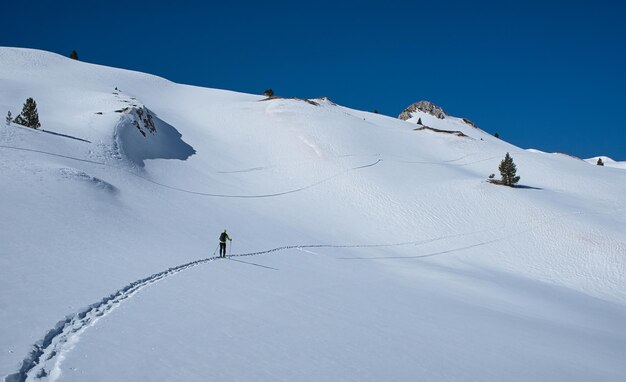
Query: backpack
(223, 237)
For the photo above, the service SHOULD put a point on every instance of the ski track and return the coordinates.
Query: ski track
(199, 193)
(54, 154)
(263, 195)
(258, 196)
(46, 356)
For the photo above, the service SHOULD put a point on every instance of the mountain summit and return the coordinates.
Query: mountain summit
(423, 106)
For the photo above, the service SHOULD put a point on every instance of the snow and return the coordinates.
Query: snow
(400, 262)
(608, 162)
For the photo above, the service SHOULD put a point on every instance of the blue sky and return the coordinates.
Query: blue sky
(545, 75)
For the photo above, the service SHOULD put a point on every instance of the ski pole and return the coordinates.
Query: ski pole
(230, 250)
(216, 249)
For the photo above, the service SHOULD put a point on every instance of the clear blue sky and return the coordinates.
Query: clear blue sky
(549, 75)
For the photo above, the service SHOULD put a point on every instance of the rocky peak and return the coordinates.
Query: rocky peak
(425, 107)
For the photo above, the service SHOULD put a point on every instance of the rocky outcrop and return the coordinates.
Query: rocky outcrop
(470, 123)
(142, 120)
(425, 107)
(453, 132)
(140, 117)
(141, 135)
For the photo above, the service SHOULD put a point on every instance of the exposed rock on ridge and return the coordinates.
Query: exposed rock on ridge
(423, 106)
(142, 120)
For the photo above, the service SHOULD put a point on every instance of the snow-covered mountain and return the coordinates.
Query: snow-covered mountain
(363, 249)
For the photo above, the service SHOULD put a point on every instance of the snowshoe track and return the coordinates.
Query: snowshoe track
(43, 360)
(46, 355)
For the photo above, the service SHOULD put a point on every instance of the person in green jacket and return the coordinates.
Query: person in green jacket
(223, 237)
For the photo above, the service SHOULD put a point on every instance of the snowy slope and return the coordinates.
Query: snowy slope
(608, 162)
(395, 259)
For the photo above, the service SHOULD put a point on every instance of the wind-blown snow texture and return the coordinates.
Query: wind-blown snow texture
(363, 250)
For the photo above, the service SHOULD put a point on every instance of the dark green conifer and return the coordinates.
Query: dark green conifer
(29, 116)
(507, 171)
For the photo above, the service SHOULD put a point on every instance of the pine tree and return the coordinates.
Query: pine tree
(9, 118)
(496, 135)
(507, 171)
(599, 162)
(419, 121)
(74, 55)
(375, 111)
(29, 116)
(268, 93)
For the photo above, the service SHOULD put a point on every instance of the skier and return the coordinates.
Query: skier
(223, 237)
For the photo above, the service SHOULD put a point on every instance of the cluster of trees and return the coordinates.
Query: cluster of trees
(29, 116)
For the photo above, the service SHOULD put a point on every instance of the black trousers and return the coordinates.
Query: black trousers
(222, 249)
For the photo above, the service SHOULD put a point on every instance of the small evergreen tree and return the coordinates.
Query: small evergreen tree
(74, 55)
(29, 116)
(268, 93)
(419, 121)
(507, 171)
(375, 111)
(599, 162)
(9, 118)
(496, 135)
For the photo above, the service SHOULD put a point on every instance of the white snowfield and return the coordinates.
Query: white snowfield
(609, 162)
(394, 259)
